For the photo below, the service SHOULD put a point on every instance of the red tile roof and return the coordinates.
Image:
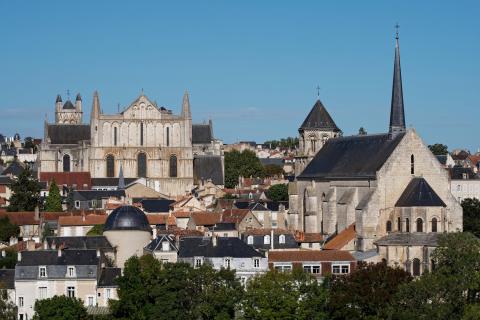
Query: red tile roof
(308, 237)
(341, 239)
(154, 219)
(182, 214)
(206, 218)
(309, 255)
(86, 220)
(82, 180)
(234, 215)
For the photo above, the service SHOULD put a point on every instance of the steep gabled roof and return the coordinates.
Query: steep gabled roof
(419, 193)
(68, 134)
(319, 118)
(353, 157)
(341, 239)
(201, 134)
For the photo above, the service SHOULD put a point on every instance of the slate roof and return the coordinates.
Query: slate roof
(224, 226)
(110, 182)
(156, 205)
(201, 134)
(274, 161)
(92, 243)
(108, 276)
(226, 247)
(353, 157)
(442, 158)
(86, 195)
(419, 193)
(15, 168)
(409, 239)
(5, 180)
(275, 205)
(127, 218)
(259, 243)
(7, 278)
(457, 173)
(156, 244)
(68, 105)
(208, 167)
(319, 118)
(70, 257)
(309, 255)
(68, 133)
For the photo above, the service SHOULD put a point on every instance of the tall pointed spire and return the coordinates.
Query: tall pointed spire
(121, 179)
(397, 113)
(95, 106)
(186, 106)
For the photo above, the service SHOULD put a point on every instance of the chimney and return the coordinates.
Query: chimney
(272, 239)
(155, 232)
(37, 213)
(214, 240)
(54, 245)
(59, 251)
(19, 256)
(30, 245)
(45, 244)
(177, 241)
(98, 253)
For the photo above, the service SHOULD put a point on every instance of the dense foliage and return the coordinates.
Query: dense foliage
(278, 192)
(8, 310)
(25, 192)
(273, 170)
(438, 149)
(8, 229)
(471, 215)
(284, 143)
(241, 164)
(60, 308)
(54, 199)
(97, 230)
(10, 259)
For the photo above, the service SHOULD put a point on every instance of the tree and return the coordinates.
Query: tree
(438, 149)
(273, 170)
(25, 192)
(285, 143)
(278, 192)
(366, 292)
(70, 201)
(8, 229)
(284, 295)
(54, 199)
(453, 285)
(241, 164)
(28, 143)
(97, 230)
(471, 215)
(60, 308)
(8, 310)
(362, 131)
(47, 231)
(149, 289)
(10, 259)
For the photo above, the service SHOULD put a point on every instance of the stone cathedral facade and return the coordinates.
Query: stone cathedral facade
(144, 141)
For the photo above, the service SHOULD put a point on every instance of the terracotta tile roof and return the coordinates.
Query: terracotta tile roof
(308, 237)
(206, 218)
(87, 220)
(82, 180)
(309, 255)
(182, 232)
(21, 218)
(155, 219)
(262, 232)
(341, 239)
(182, 214)
(234, 215)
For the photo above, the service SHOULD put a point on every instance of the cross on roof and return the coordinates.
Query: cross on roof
(397, 26)
(318, 91)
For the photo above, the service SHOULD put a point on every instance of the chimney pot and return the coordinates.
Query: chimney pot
(59, 251)
(19, 256)
(98, 253)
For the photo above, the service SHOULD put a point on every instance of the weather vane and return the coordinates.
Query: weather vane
(397, 26)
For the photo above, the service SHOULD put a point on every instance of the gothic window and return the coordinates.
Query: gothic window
(168, 136)
(173, 166)
(419, 225)
(110, 166)
(115, 136)
(434, 225)
(66, 163)
(142, 165)
(141, 134)
(389, 226)
(412, 164)
(399, 224)
(416, 267)
(407, 225)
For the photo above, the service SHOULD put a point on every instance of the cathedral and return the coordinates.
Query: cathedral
(386, 191)
(142, 141)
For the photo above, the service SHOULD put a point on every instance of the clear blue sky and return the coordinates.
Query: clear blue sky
(252, 66)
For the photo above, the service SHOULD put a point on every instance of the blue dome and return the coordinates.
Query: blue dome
(127, 218)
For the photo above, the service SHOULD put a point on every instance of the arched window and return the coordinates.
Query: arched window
(407, 225)
(389, 226)
(66, 163)
(141, 134)
(266, 239)
(416, 267)
(399, 224)
(173, 166)
(168, 136)
(250, 240)
(115, 136)
(281, 239)
(110, 166)
(434, 225)
(142, 165)
(412, 164)
(419, 225)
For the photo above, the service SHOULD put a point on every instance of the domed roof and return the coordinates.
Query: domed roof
(127, 218)
(68, 105)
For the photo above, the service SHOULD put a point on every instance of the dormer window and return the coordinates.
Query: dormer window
(281, 239)
(70, 271)
(42, 272)
(165, 246)
(250, 240)
(266, 239)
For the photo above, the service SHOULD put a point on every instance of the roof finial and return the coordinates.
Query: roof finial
(397, 26)
(318, 91)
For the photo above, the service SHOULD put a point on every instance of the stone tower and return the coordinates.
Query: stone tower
(68, 113)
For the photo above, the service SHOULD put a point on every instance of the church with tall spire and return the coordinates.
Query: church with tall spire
(142, 141)
(380, 196)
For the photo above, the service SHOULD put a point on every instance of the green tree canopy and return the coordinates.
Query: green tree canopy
(149, 289)
(366, 292)
(10, 259)
(8, 310)
(284, 143)
(438, 149)
(284, 295)
(241, 164)
(60, 308)
(8, 229)
(25, 192)
(54, 199)
(278, 192)
(273, 170)
(97, 230)
(471, 215)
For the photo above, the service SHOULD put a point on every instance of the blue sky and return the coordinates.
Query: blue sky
(251, 66)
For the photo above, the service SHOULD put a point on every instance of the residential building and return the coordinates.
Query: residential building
(164, 247)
